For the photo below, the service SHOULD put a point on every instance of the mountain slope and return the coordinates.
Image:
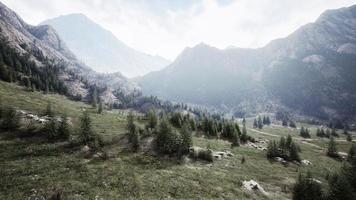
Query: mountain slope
(36, 56)
(312, 71)
(100, 49)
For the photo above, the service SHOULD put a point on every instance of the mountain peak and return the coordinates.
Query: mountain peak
(100, 49)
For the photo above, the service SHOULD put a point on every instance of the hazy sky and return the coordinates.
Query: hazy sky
(166, 27)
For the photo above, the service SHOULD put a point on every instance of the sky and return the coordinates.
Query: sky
(166, 27)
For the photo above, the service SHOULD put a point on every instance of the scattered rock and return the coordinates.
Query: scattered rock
(316, 180)
(86, 148)
(259, 145)
(306, 162)
(222, 154)
(279, 159)
(253, 186)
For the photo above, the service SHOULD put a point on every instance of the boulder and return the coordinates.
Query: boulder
(279, 159)
(253, 186)
(306, 162)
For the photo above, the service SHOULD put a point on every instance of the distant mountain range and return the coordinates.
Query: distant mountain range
(100, 49)
(312, 71)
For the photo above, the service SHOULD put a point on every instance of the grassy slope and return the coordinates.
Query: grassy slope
(32, 168)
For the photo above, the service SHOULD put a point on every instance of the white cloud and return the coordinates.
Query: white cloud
(166, 29)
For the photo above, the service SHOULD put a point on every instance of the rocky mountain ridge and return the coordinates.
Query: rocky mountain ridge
(42, 44)
(312, 71)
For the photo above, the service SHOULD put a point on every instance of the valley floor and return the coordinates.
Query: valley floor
(32, 168)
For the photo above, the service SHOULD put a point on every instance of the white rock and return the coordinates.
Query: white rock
(253, 186)
(306, 162)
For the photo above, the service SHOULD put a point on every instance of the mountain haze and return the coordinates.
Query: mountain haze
(100, 49)
(312, 71)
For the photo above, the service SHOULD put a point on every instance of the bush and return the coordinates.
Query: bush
(10, 119)
(169, 141)
(203, 154)
(57, 130)
(134, 137)
(206, 155)
(51, 130)
(48, 111)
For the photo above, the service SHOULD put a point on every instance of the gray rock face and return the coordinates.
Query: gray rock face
(311, 71)
(100, 49)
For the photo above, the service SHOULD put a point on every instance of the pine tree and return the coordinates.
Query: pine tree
(51, 130)
(272, 150)
(259, 122)
(187, 140)
(134, 138)
(345, 132)
(328, 134)
(349, 137)
(293, 152)
(282, 144)
(306, 188)
(352, 154)
(284, 122)
(163, 137)
(49, 112)
(318, 133)
(264, 121)
(243, 160)
(152, 119)
(322, 132)
(86, 132)
(333, 133)
(130, 123)
(100, 109)
(332, 149)
(244, 136)
(302, 132)
(289, 141)
(255, 125)
(133, 133)
(64, 128)
(292, 124)
(193, 125)
(268, 120)
(340, 188)
(235, 138)
(94, 97)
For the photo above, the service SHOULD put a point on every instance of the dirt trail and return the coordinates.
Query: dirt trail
(304, 141)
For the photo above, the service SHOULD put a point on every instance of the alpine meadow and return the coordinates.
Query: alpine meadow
(205, 99)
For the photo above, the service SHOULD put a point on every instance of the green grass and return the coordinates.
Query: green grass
(31, 167)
